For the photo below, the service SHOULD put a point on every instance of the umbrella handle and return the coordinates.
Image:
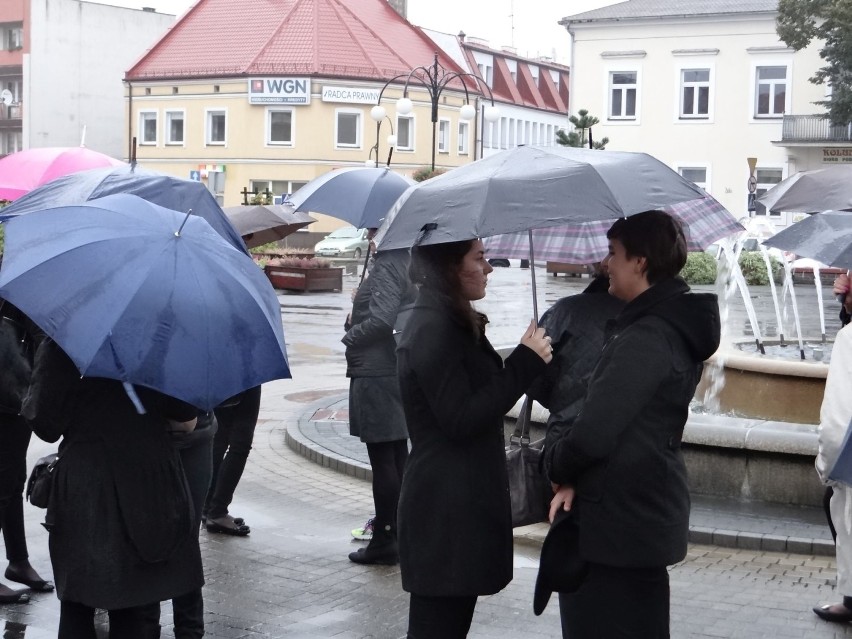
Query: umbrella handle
(532, 275)
(364, 270)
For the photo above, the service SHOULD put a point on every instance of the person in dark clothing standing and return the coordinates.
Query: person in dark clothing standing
(456, 390)
(375, 406)
(619, 466)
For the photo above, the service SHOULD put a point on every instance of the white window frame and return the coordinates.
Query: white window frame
(755, 96)
(268, 134)
(442, 141)
(696, 166)
(696, 86)
(359, 124)
(463, 138)
(167, 132)
(144, 116)
(411, 131)
(763, 187)
(209, 113)
(608, 88)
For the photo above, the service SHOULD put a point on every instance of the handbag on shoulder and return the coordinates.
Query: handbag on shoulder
(529, 489)
(16, 359)
(40, 483)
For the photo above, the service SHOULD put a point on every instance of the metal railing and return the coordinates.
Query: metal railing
(813, 128)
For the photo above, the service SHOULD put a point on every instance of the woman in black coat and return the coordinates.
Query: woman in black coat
(455, 391)
(119, 516)
(619, 466)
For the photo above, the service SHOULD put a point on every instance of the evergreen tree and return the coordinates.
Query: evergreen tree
(582, 122)
(800, 22)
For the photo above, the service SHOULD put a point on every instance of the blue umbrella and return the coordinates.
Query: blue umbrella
(362, 196)
(166, 190)
(139, 293)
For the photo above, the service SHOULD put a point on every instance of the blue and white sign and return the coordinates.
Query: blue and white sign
(195, 176)
(279, 91)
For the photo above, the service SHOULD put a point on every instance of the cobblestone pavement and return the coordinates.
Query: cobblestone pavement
(291, 577)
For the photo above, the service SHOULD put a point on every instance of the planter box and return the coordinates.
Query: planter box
(292, 278)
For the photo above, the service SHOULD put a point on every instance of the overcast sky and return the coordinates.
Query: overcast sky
(535, 32)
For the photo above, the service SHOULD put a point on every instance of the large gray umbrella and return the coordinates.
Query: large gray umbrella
(260, 224)
(828, 189)
(532, 187)
(825, 237)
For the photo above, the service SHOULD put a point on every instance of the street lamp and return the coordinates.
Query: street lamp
(378, 114)
(435, 79)
(752, 185)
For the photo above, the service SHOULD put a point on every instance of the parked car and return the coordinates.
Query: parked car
(344, 242)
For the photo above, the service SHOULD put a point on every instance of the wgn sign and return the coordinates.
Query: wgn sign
(279, 91)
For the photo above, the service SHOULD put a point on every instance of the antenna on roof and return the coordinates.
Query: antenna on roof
(512, 21)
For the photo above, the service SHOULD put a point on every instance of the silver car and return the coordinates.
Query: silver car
(344, 242)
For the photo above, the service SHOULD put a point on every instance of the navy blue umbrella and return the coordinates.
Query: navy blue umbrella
(166, 190)
(360, 195)
(142, 294)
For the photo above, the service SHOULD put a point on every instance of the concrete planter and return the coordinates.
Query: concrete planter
(294, 278)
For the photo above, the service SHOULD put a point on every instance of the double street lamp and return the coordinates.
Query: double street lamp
(434, 79)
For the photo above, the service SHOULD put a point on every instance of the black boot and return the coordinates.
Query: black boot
(382, 548)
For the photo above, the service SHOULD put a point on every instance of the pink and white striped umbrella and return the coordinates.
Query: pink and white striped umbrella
(704, 221)
(23, 171)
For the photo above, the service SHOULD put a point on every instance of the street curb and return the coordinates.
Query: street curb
(534, 535)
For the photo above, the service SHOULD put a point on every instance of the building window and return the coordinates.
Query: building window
(147, 127)
(216, 127)
(443, 141)
(11, 142)
(174, 127)
(404, 133)
(464, 134)
(348, 130)
(280, 127)
(695, 93)
(695, 174)
(770, 91)
(622, 95)
(14, 38)
(766, 179)
(278, 188)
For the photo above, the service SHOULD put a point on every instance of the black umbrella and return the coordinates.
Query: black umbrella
(263, 223)
(825, 237)
(828, 189)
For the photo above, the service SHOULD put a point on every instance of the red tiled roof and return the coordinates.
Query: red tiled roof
(359, 39)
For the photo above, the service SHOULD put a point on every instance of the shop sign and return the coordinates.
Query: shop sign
(351, 95)
(279, 91)
(837, 156)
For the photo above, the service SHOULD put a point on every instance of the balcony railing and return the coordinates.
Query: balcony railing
(813, 128)
(12, 112)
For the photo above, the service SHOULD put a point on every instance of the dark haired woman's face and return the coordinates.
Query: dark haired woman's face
(626, 274)
(473, 272)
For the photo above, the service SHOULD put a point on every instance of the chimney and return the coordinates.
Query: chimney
(400, 6)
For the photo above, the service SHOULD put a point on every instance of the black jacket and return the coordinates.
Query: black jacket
(456, 390)
(370, 345)
(622, 452)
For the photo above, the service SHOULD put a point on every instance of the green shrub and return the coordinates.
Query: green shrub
(700, 268)
(754, 268)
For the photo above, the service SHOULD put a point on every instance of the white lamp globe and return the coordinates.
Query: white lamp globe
(404, 106)
(377, 113)
(369, 163)
(492, 113)
(467, 112)
(392, 141)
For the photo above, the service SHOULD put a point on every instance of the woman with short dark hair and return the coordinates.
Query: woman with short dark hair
(455, 392)
(619, 466)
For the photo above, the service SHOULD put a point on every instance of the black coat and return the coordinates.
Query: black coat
(119, 516)
(455, 529)
(622, 452)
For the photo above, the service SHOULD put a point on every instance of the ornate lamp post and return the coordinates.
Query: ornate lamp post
(434, 79)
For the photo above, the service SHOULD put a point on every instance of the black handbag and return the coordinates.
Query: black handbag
(16, 359)
(40, 483)
(529, 489)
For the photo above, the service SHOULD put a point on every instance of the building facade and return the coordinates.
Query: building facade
(704, 87)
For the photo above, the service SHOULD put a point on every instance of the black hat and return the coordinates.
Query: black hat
(560, 568)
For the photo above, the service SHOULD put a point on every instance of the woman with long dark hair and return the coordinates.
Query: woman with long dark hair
(455, 392)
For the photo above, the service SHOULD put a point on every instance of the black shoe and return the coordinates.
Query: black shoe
(384, 557)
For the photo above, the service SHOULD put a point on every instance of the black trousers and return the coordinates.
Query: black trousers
(14, 441)
(387, 461)
(77, 621)
(439, 617)
(618, 603)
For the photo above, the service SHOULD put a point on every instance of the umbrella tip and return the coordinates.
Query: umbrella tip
(188, 213)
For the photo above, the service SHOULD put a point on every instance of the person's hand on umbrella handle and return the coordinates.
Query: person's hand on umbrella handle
(563, 499)
(535, 339)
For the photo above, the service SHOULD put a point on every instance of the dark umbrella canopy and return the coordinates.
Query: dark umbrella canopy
(131, 294)
(533, 187)
(260, 224)
(166, 190)
(828, 189)
(825, 237)
(361, 196)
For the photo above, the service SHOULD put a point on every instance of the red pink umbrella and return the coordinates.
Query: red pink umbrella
(23, 171)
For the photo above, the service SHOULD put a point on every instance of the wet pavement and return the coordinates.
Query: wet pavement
(291, 576)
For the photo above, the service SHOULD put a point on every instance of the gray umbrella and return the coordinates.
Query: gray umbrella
(261, 224)
(828, 189)
(825, 237)
(533, 187)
